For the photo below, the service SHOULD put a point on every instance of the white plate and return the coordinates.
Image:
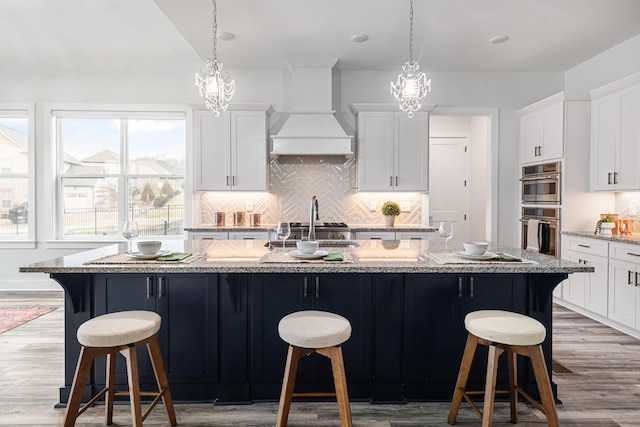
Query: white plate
(485, 256)
(138, 255)
(315, 255)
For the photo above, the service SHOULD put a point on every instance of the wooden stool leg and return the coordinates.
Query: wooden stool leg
(161, 378)
(463, 375)
(340, 381)
(490, 386)
(131, 356)
(111, 383)
(512, 359)
(85, 360)
(544, 385)
(290, 371)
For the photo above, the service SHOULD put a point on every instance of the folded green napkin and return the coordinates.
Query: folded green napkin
(334, 256)
(176, 256)
(507, 258)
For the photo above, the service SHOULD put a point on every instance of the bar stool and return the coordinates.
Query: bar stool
(516, 334)
(309, 332)
(107, 335)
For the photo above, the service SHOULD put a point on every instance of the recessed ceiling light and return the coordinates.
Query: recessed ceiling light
(499, 39)
(359, 38)
(226, 36)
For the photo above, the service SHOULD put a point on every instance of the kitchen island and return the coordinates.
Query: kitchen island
(220, 307)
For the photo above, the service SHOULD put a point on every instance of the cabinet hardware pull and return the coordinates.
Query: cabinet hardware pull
(148, 287)
(471, 292)
(317, 286)
(459, 287)
(609, 178)
(535, 151)
(160, 287)
(305, 293)
(390, 181)
(628, 277)
(375, 238)
(615, 177)
(396, 181)
(636, 278)
(539, 150)
(228, 180)
(632, 254)
(583, 246)
(233, 180)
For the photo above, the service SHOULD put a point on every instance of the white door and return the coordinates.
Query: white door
(449, 183)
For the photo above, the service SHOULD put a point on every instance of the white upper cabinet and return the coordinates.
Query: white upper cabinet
(542, 130)
(393, 151)
(231, 150)
(615, 141)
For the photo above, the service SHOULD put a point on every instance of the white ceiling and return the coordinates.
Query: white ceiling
(449, 35)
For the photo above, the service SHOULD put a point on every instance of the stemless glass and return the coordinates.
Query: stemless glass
(283, 231)
(130, 231)
(446, 232)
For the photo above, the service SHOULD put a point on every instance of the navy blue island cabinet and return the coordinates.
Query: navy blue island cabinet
(220, 342)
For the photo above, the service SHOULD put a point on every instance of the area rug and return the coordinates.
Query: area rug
(12, 317)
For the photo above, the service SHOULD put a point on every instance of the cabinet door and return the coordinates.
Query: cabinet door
(605, 113)
(628, 153)
(248, 235)
(249, 166)
(411, 155)
(622, 292)
(375, 151)
(375, 235)
(188, 305)
(596, 284)
(417, 235)
(530, 137)
(573, 288)
(213, 153)
(552, 132)
(208, 235)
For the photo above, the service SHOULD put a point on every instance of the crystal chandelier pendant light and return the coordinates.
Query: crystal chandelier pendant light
(215, 86)
(412, 84)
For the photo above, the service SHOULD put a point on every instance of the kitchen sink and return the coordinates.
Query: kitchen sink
(291, 243)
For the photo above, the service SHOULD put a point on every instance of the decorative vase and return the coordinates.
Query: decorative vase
(389, 220)
(606, 228)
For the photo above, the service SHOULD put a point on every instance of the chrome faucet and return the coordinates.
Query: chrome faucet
(313, 218)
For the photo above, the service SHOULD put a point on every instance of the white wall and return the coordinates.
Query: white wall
(172, 83)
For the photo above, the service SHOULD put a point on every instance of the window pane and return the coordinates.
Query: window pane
(14, 211)
(90, 146)
(156, 147)
(90, 206)
(157, 204)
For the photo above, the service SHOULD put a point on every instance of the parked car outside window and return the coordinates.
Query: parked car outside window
(19, 214)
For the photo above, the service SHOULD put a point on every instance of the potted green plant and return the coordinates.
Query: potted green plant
(390, 210)
(605, 226)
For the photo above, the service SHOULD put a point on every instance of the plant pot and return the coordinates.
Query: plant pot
(606, 228)
(389, 221)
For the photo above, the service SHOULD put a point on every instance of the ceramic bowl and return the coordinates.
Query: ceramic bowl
(475, 248)
(150, 247)
(307, 247)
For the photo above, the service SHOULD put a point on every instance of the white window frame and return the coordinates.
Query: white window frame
(54, 155)
(24, 110)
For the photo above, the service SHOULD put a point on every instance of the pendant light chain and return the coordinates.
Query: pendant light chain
(215, 31)
(411, 31)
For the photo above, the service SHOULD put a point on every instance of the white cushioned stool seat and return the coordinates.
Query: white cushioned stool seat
(120, 328)
(505, 327)
(314, 329)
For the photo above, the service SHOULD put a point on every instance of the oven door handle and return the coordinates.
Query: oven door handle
(540, 177)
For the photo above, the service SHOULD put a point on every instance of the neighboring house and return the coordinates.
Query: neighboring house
(14, 160)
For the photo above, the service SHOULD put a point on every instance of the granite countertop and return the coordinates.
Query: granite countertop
(633, 238)
(244, 256)
(213, 228)
(354, 228)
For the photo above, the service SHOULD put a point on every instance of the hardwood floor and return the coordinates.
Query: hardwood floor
(601, 389)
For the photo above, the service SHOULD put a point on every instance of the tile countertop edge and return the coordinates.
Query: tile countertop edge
(632, 239)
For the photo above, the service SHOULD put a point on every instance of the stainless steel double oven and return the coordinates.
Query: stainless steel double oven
(541, 199)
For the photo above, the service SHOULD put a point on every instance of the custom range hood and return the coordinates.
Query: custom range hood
(311, 129)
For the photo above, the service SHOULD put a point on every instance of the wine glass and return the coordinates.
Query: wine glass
(130, 231)
(283, 231)
(446, 232)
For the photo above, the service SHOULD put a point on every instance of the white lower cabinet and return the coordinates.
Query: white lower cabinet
(587, 290)
(208, 235)
(229, 235)
(248, 235)
(624, 284)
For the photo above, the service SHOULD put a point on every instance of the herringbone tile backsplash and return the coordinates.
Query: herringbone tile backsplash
(295, 179)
